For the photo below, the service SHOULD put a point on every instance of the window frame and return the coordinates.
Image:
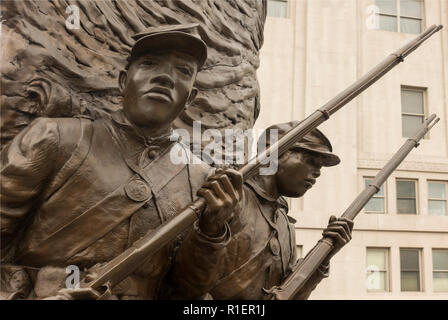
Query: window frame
(398, 16)
(420, 268)
(437, 271)
(423, 115)
(364, 178)
(397, 25)
(386, 271)
(417, 211)
(434, 199)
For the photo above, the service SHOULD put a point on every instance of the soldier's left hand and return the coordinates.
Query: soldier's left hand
(222, 192)
(340, 231)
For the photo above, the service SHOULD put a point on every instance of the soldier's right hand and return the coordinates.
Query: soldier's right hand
(222, 192)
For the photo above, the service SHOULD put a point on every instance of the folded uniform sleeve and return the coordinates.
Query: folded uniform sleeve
(26, 166)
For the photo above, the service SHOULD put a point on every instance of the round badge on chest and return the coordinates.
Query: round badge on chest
(137, 190)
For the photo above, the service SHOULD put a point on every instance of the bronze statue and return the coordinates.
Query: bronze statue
(80, 191)
(117, 269)
(77, 191)
(263, 249)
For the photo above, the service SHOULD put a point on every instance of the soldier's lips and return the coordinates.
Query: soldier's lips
(159, 94)
(309, 182)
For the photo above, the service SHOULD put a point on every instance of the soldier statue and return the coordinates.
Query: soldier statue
(78, 192)
(263, 250)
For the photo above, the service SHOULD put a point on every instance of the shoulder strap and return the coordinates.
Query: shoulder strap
(76, 159)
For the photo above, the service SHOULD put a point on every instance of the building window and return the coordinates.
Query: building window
(277, 8)
(437, 198)
(406, 197)
(376, 267)
(412, 110)
(376, 204)
(440, 270)
(400, 15)
(411, 13)
(410, 269)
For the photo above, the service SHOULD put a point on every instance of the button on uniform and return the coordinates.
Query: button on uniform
(137, 190)
(152, 154)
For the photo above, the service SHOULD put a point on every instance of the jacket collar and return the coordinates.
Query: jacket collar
(133, 132)
(138, 149)
(271, 196)
(263, 190)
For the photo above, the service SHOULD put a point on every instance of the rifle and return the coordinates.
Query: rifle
(305, 269)
(124, 264)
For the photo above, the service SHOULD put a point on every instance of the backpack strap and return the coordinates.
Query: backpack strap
(76, 159)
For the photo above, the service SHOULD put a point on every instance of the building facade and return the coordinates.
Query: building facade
(313, 50)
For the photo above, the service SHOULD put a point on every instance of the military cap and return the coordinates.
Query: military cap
(315, 141)
(181, 37)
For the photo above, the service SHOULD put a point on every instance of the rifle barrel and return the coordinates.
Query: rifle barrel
(124, 264)
(297, 279)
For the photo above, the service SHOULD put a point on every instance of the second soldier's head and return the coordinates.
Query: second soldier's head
(299, 168)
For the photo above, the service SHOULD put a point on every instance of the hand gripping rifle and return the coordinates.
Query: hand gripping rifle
(305, 269)
(124, 264)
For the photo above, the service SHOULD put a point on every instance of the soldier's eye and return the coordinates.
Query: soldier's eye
(147, 62)
(309, 158)
(316, 161)
(184, 70)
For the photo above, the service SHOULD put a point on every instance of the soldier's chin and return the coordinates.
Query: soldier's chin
(158, 110)
(297, 193)
(156, 116)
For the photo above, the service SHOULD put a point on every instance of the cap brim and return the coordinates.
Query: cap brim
(179, 41)
(328, 159)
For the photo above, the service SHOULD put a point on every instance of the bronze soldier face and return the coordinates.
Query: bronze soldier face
(157, 87)
(297, 172)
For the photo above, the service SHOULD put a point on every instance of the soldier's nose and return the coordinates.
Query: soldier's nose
(163, 80)
(316, 174)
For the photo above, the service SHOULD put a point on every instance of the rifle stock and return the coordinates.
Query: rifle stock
(305, 269)
(124, 264)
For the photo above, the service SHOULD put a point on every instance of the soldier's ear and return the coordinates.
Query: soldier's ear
(193, 94)
(122, 80)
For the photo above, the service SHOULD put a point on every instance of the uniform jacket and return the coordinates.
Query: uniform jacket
(79, 192)
(262, 251)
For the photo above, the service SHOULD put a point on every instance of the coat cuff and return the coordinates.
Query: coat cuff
(324, 270)
(213, 242)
